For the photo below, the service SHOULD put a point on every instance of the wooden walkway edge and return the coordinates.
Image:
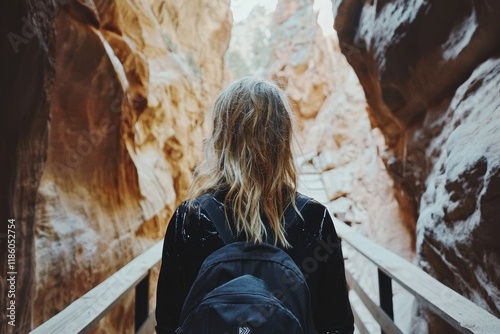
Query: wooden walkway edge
(464, 315)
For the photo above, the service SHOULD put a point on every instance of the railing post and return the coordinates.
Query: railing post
(141, 302)
(385, 294)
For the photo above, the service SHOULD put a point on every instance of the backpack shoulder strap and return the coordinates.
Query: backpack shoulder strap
(300, 202)
(218, 218)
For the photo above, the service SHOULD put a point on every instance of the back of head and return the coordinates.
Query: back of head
(249, 155)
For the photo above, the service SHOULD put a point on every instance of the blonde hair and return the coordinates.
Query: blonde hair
(249, 155)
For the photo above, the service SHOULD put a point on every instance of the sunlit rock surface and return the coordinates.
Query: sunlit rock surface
(300, 59)
(430, 72)
(130, 84)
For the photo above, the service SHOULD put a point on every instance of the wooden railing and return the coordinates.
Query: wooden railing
(458, 311)
(86, 311)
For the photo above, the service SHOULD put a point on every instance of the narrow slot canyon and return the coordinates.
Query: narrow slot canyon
(103, 116)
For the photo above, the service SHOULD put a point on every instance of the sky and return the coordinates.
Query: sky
(241, 9)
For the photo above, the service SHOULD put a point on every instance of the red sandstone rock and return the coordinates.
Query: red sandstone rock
(300, 58)
(129, 81)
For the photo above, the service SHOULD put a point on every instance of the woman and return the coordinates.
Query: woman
(249, 169)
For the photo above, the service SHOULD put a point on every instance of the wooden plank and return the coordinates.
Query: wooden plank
(312, 186)
(317, 194)
(314, 193)
(382, 318)
(310, 177)
(457, 310)
(86, 311)
(360, 326)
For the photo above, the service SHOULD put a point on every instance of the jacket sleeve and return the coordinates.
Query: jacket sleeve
(171, 290)
(334, 314)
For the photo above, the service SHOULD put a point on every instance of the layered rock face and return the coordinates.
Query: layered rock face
(335, 131)
(111, 158)
(430, 72)
(300, 59)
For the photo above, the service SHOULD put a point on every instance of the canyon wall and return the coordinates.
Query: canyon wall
(98, 99)
(99, 156)
(431, 75)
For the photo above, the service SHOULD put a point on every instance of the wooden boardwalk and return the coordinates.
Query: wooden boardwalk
(312, 185)
(461, 313)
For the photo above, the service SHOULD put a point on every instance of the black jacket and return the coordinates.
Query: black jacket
(191, 237)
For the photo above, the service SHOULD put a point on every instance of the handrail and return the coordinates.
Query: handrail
(385, 322)
(86, 311)
(455, 309)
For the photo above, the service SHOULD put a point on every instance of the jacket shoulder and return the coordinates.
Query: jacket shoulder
(192, 222)
(311, 203)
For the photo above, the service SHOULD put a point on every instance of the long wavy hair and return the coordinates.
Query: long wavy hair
(249, 157)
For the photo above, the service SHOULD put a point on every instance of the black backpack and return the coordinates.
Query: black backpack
(247, 288)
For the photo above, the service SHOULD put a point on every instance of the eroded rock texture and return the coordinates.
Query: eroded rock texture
(110, 157)
(334, 127)
(430, 72)
(300, 59)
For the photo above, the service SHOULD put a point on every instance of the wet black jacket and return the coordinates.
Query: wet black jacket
(191, 237)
